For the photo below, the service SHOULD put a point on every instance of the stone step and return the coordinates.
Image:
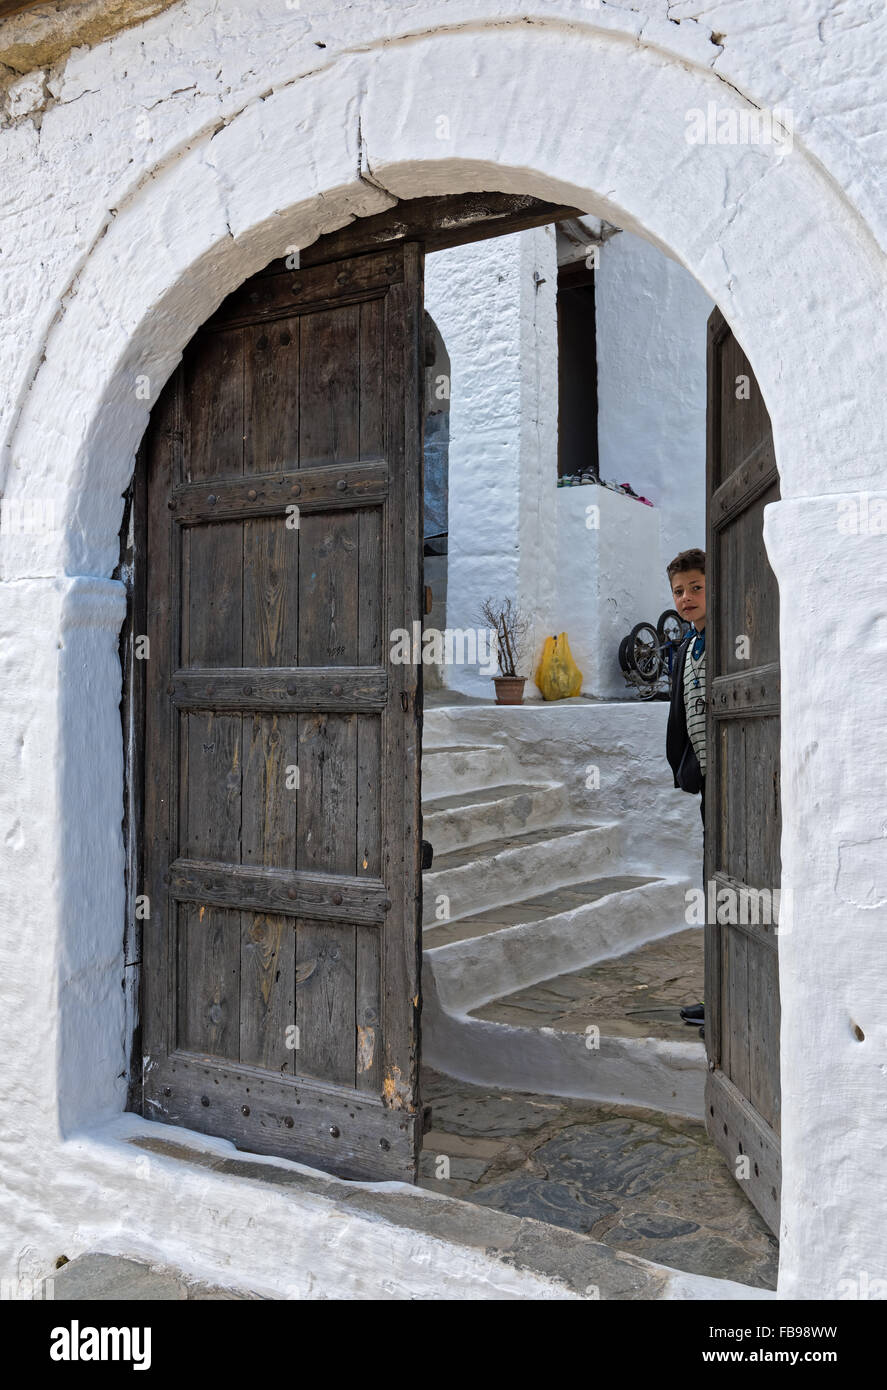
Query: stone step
(449, 768)
(465, 818)
(96, 1277)
(608, 1031)
(511, 867)
(481, 957)
(636, 994)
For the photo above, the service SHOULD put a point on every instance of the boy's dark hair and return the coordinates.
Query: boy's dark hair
(687, 560)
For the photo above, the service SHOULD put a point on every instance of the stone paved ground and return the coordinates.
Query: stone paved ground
(637, 995)
(97, 1276)
(648, 1184)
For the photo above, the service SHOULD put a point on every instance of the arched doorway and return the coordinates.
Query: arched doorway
(133, 313)
(281, 830)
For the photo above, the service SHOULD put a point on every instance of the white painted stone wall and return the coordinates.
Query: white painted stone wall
(651, 335)
(239, 130)
(609, 580)
(494, 304)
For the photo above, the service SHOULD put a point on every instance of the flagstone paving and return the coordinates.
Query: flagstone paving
(641, 1182)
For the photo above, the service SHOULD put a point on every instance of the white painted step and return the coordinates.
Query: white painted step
(509, 868)
(471, 818)
(564, 1034)
(463, 767)
(662, 1075)
(505, 949)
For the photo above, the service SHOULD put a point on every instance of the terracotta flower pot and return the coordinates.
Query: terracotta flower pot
(509, 689)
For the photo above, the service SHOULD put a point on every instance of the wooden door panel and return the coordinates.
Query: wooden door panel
(282, 823)
(213, 407)
(267, 991)
(743, 421)
(271, 395)
(762, 784)
(212, 612)
(742, 779)
(207, 943)
(751, 605)
(270, 594)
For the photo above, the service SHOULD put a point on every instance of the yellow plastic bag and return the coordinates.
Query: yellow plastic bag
(558, 676)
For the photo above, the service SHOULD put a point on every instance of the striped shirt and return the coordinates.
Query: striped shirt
(694, 703)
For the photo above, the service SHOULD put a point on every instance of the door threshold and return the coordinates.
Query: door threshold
(564, 1263)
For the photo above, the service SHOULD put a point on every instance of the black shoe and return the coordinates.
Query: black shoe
(694, 1013)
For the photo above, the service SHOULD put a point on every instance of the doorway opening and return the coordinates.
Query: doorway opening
(283, 521)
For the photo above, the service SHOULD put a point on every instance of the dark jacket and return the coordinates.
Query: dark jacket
(678, 748)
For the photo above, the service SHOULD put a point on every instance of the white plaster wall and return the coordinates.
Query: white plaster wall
(538, 541)
(269, 126)
(494, 304)
(473, 295)
(651, 342)
(608, 580)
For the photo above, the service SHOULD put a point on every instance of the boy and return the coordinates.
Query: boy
(685, 736)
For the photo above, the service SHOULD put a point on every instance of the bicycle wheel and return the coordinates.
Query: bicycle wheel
(623, 656)
(671, 627)
(644, 656)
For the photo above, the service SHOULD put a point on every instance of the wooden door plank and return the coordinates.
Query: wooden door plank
(211, 792)
(368, 1012)
(737, 1130)
(401, 805)
(370, 653)
(338, 897)
(326, 1001)
(213, 406)
(337, 689)
(292, 1116)
(267, 990)
(271, 395)
(208, 976)
(318, 486)
(163, 461)
(329, 385)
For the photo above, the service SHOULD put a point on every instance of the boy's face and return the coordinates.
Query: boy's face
(688, 591)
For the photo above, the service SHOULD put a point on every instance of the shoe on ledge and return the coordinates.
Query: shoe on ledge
(693, 1013)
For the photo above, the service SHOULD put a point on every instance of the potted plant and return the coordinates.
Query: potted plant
(510, 626)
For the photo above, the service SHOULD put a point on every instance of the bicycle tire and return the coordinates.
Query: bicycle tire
(646, 663)
(663, 619)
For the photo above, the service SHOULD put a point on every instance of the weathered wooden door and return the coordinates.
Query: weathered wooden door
(742, 827)
(282, 744)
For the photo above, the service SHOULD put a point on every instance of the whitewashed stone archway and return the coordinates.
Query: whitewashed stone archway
(548, 105)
